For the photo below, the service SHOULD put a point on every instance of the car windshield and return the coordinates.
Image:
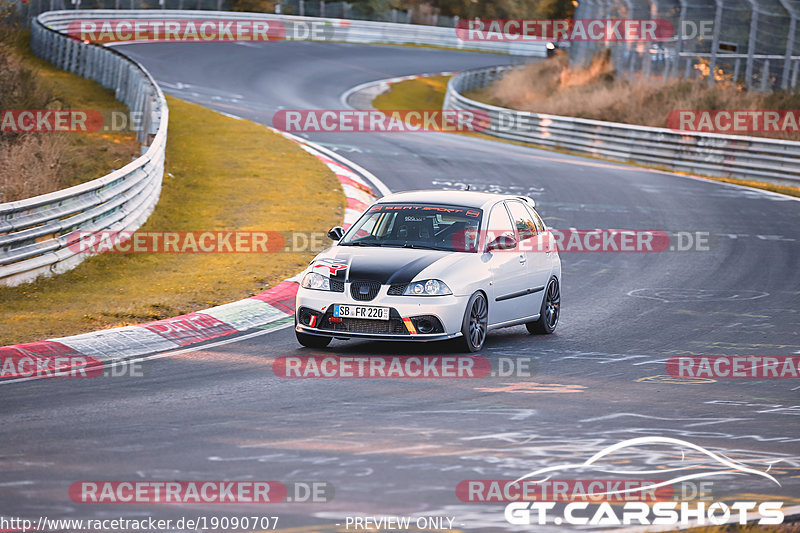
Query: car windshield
(433, 227)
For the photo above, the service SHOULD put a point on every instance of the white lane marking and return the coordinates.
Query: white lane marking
(167, 354)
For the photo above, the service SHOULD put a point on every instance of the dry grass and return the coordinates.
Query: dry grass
(224, 174)
(38, 163)
(595, 92)
(31, 165)
(418, 94)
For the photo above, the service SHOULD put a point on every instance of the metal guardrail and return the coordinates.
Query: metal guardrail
(326, 29)
(35, 233)
(753, 158)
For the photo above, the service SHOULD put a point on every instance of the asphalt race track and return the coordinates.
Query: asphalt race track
(400, 447)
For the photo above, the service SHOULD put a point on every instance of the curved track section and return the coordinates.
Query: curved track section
(402, 446)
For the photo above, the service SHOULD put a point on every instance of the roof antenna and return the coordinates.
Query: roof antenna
(467, 187)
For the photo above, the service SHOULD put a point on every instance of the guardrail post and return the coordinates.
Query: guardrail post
(751, 44)
(787, 61)
(715, 40)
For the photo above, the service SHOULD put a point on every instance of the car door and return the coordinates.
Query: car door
(537, 258)
(507, 268)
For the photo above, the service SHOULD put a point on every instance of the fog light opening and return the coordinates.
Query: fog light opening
(425, 326)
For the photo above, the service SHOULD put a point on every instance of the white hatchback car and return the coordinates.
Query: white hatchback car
(433, 265)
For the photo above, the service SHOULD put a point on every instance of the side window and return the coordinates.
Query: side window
(523, 220)
(499, 224)
(536, 218)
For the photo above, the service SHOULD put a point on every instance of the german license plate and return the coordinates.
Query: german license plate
(361, 311)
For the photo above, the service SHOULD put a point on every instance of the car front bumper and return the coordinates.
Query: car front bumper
(448, 310)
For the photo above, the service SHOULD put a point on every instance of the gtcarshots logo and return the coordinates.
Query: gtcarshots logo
(604, 30)
(695, 463)
(642, 513)
(360, 121)
(113, 31)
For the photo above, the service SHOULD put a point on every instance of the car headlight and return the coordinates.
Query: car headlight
(427, 287)
(312, 280)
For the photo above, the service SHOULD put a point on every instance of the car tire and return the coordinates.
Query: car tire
(312, 341)
(550, 310)
(474, 327)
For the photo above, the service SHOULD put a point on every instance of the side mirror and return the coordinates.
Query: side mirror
(503, 242)
(336, 234)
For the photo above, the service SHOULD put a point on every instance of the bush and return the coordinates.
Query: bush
(595, 92)
(29, 162)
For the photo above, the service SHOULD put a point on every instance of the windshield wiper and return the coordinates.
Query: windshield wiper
(358, 243)
(423, 247)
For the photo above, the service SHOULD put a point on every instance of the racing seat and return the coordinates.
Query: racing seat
(414, 228)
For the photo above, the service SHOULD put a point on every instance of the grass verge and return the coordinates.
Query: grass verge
(222, 174)
(421, 93)
(428, 93)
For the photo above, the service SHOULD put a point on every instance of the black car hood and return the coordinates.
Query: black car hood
(384, 265)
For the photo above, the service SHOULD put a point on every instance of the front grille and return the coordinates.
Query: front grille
(364, 291)
(397, 289)
(337, 286)
(393, 326)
